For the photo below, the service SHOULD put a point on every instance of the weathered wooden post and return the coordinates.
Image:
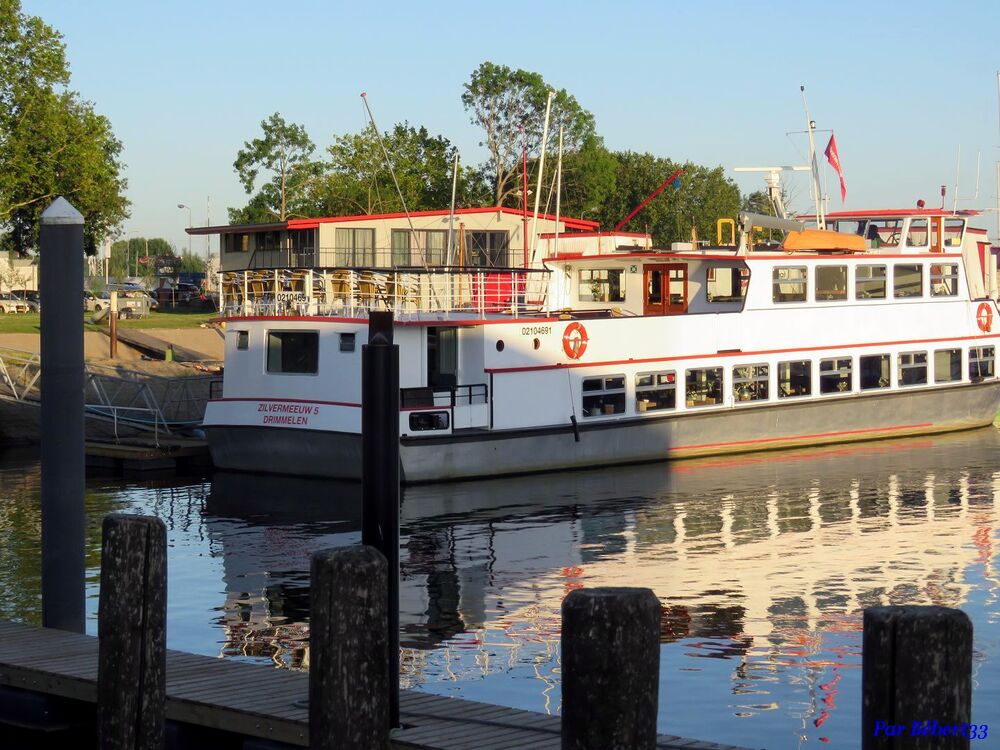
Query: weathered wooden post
(916, 677)
(60, 241)
(611, 669)
(380, 472)
(131, 629)
(349, 691)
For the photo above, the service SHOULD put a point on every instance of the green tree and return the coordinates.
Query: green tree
(357, 180)
(52, 142)
(509, 105)
(283, 150)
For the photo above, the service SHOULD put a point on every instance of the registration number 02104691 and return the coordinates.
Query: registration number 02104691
(536, 330)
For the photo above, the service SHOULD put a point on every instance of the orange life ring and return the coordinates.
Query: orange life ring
(575, 340)
(984, 317)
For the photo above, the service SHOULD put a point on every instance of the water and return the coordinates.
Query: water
(763, 564)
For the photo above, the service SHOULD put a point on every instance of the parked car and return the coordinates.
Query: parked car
(29, 297)
(95, 303)
(10, 304)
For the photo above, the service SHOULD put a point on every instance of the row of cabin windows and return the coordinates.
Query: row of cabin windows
(293, 352)
(722, 284)
(704, 386)
(790, 283)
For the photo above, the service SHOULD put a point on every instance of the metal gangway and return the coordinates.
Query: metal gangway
(122, 399)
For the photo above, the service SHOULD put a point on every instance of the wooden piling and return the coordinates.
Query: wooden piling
(916, 677)
(131, 672)
(349, 690)
(610, 669)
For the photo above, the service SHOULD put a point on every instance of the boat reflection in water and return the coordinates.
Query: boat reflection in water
(763, 564)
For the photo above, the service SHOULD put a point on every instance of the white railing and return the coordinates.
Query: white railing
(407, 293)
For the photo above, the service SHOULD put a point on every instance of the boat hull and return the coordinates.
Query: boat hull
(471, 454)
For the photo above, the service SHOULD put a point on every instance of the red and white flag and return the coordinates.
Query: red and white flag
(834, 158)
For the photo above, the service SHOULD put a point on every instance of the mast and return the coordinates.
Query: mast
(810, 127)
(451, 214)
(541, 170)
(555, 250)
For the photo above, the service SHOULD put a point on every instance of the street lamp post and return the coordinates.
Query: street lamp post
(190, 224)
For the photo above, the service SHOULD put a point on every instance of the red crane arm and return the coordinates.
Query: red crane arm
(671, 178)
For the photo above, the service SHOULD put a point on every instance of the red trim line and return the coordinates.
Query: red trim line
(796, 256)
(364, 321)
(894, 212)
(562, 235)
(289, 401)
(730, 354)
(761, 441)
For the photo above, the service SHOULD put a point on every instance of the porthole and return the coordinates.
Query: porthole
(500, 346)
(536, 344)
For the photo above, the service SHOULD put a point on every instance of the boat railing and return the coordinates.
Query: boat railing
(408, 293)
(457, 395)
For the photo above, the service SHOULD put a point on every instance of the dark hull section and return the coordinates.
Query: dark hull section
(740, 430)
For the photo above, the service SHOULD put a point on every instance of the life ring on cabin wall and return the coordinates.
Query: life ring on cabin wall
(984, 317)
(575, 340)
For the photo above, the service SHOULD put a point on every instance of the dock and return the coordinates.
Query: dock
(153, 346)
(144, 452)
(258, 701)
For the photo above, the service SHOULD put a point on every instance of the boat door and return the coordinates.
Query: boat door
(442, 357)
(666, 287)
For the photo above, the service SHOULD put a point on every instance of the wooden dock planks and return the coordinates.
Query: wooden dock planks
(260, 701)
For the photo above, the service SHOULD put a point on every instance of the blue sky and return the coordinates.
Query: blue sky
(903, 86)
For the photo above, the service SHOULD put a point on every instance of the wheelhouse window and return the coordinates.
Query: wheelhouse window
(874, 371)
(947, 365)
(836, 375)
(869, 282)
(883, 232)
(794, 378)
(831, 283)
(655, 391)
(789, 284)
(944, 280)
(912, 368)
(703, 386)
(294, 352)
(750, 383)
(953, 229)
(907, 280)
(604, 395)
(916, 234)
(726, 284)
(981, 363)
(601, 285)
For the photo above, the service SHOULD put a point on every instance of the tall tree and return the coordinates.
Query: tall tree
(284, 150)
(510, 107)
(52, 142)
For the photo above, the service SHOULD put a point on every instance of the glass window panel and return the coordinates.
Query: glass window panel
(293, 352)
(601, 285)
(912, 368)
(655, 391)
(907, 280)
(604, 396)
(835, 375)
(947, 365)
(944, 280)
(726, 284)
(869, 282)
(916, 235)
(831, 283)
(750, 383)
(981, 363)
(703, 386)
(789, 284)
(874, 371)
(794, 378)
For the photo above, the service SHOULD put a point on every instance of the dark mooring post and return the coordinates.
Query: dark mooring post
(349, 689)
(380, 472)
(132, 633)
(611, 669)
(60, 241)
(916, 679)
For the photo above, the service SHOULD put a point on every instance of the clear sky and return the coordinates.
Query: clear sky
(903, 85)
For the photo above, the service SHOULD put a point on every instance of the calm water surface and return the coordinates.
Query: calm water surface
(763, 565)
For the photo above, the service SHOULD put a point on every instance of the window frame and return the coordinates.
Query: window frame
(604, 284)
(870, 279)
(941, 278)
(720, 399)
(738, 274)
(977, 355)
(789, 363)
(295, 332)
(838, 371)
(912, 366)
(953, 351)
(775, 281)
(656, 387)
(895, 286)
(604, 391)
(847, 282)
(886, 367)
(751, 381)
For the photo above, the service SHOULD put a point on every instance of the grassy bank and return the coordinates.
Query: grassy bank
(181, 318)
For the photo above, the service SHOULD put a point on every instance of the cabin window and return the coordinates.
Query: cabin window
(655, 391)
(947, 365)
(831, 283)
(981, 363)
(944, 280)
(836, 375)
(869, 282)
(874, 371)
(435, 246)
(703, 386)
(487, 249)
(293, 352)
(400, 247)
(242, 340)
(907, 280)
(953, 229)
(883, 232)
(602, 285)
(429, 420)
(750, 383)
(604, 395)
(789, 284)
(347, 342)
(236, 243)
(354, 247)
(726, 284)
(794, 378)
(912, 368)
(916, 235)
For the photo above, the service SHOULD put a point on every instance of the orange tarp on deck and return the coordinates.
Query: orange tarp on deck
(823, 239)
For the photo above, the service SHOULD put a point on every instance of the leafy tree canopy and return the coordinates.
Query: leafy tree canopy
(284, 150)
(52, 142)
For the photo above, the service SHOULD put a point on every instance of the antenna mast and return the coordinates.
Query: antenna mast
(811, 126)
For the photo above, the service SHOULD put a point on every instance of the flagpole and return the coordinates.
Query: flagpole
(820, 222)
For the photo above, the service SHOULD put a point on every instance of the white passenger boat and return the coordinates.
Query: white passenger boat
(613, 352)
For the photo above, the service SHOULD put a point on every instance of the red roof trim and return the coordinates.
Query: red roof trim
(965, 212)
(550, 235)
